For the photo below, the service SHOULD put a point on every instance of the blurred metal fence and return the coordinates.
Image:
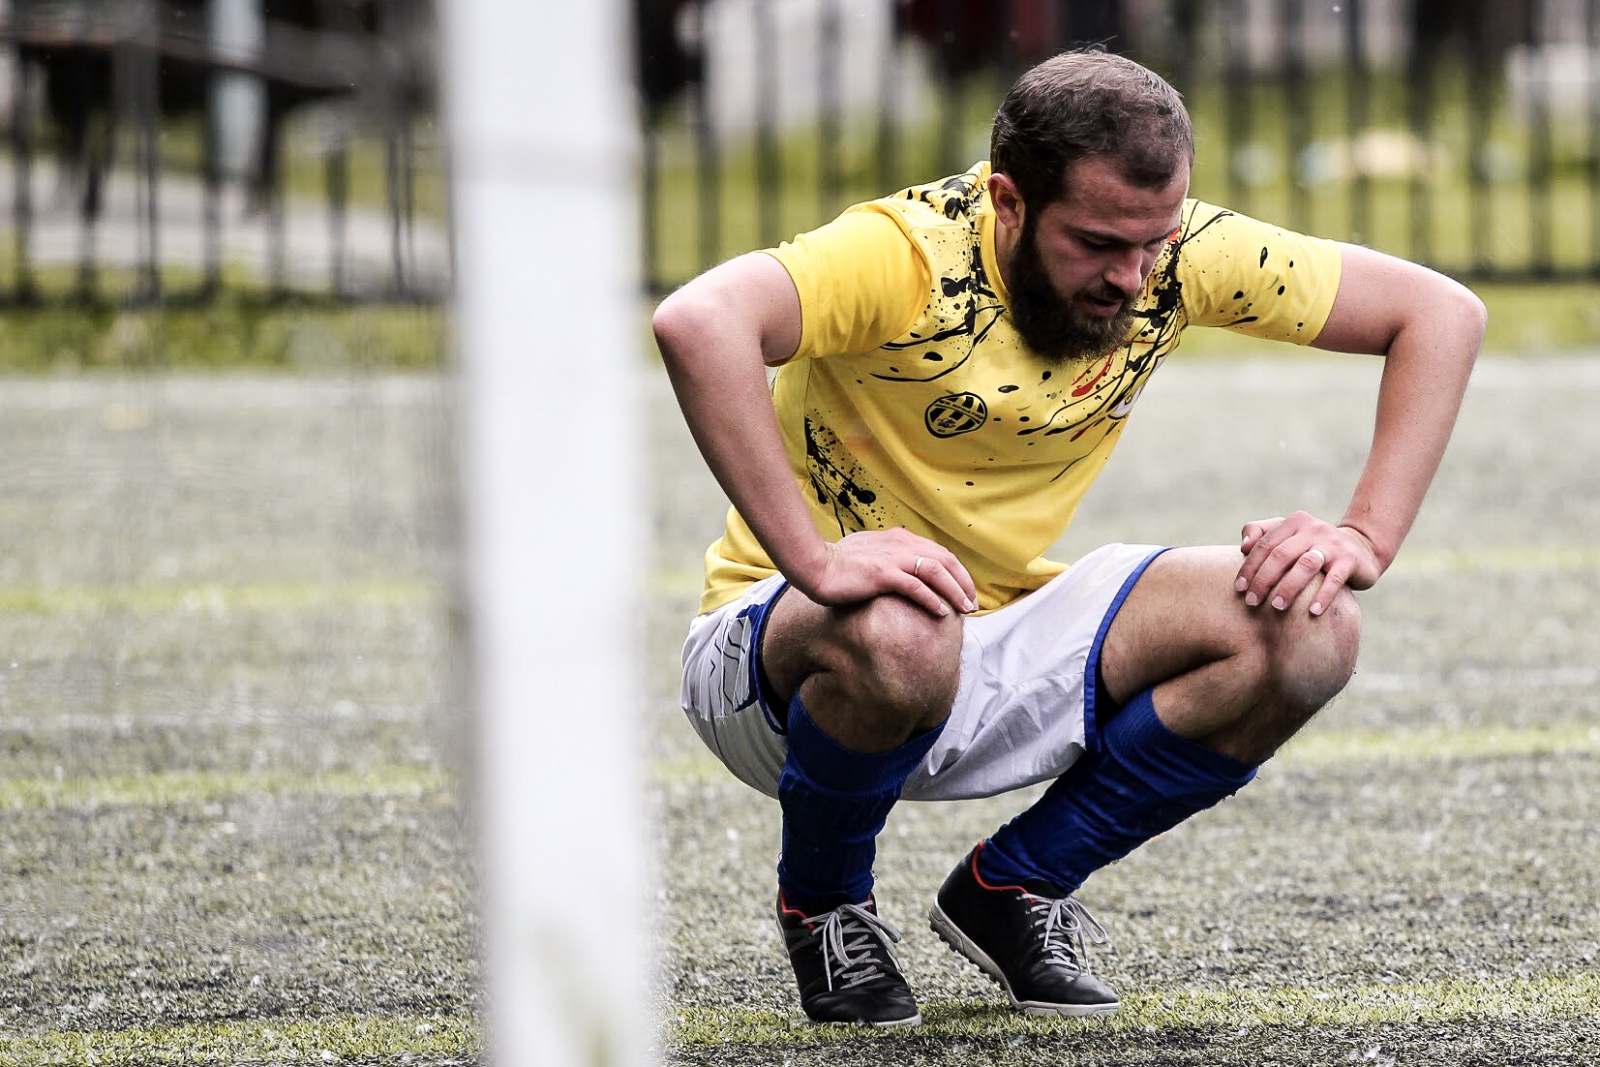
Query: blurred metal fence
(1461, 133)
(171, 150)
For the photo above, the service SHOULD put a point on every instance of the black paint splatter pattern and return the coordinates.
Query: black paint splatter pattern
(839, 482)
(1027, 413)
(971, 307)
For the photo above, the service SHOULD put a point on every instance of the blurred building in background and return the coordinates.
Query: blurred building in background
(1464, 133)
(172, 149)
(178, 149)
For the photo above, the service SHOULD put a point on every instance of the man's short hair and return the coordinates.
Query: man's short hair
(1087, 103)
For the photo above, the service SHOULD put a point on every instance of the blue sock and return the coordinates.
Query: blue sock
(834, 804)
(1146, 780)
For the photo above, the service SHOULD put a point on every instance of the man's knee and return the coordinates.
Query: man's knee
(881, 672)
(1310, 660)
(909, 657)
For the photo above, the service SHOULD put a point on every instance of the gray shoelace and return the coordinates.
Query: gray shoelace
(853, 961)
(1067, 927)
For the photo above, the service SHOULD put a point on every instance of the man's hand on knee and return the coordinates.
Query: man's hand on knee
(874, 563)
(1286, 556)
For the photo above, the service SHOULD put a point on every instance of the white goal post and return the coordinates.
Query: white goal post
(542, 136)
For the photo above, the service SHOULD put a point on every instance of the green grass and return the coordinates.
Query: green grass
(230, 333)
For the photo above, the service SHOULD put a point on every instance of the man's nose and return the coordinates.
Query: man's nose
(1126, 272)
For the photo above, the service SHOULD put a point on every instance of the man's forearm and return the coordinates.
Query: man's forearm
(737, 433)
(717, 335)
(1424, 378)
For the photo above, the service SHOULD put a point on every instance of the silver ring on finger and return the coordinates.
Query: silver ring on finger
(1322, 561)
(916, 568)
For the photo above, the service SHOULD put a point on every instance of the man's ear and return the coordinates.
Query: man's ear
(1008, 206)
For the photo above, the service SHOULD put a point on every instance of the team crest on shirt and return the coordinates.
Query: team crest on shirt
(956, 414)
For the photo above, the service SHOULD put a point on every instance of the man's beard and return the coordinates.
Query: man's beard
(1052, 325)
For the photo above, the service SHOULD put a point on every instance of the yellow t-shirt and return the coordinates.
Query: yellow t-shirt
(912, 401)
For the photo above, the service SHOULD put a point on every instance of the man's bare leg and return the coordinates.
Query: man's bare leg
(871, 675)
(1238, 680)
(1208, 689)
(1197, 690)
(869, 688)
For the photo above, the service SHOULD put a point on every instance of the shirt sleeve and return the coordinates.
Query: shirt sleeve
(862, 282)
(1255, 278)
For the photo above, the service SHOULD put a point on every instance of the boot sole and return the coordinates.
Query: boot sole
(951, 935)
(887, 1024)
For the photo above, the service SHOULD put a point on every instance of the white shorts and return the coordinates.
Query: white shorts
(1024, 707)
